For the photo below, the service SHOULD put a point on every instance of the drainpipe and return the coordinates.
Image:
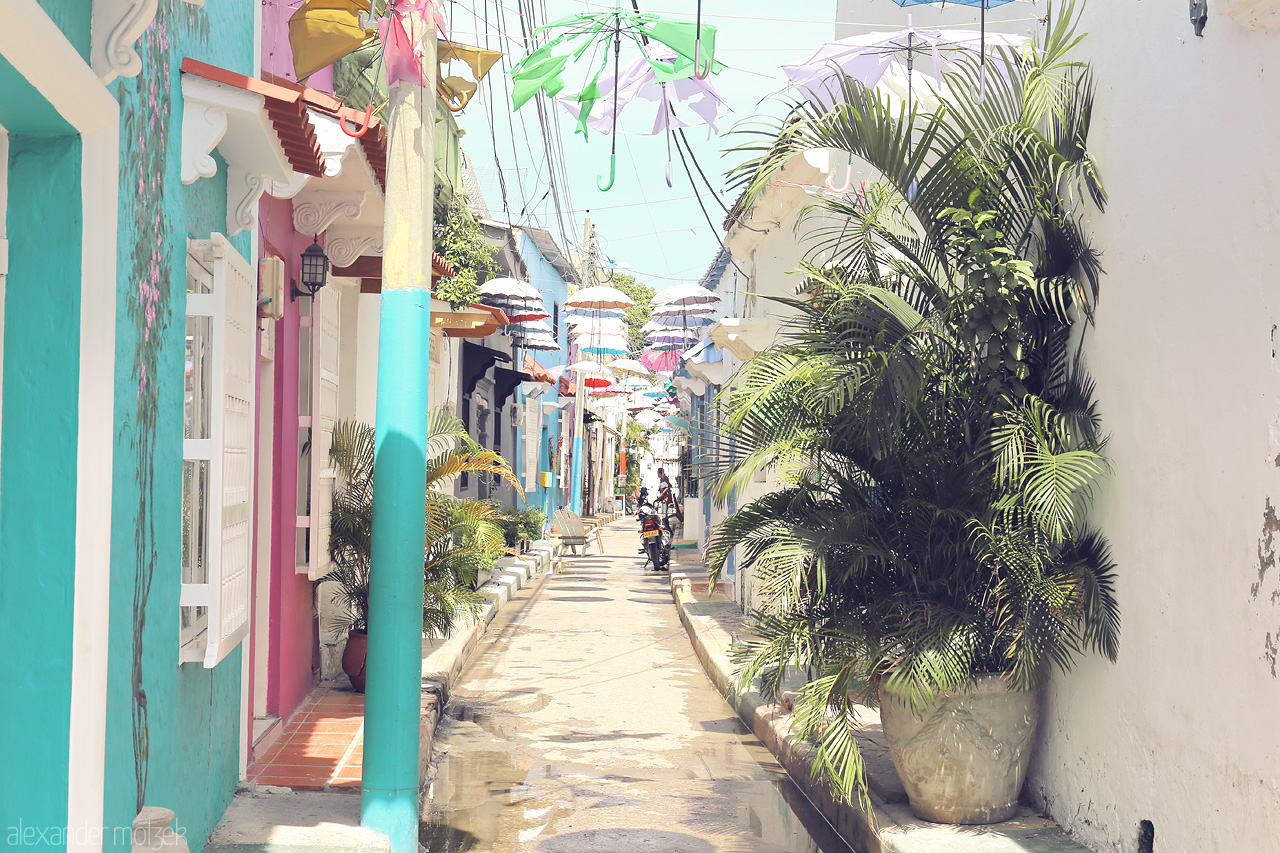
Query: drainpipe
(393, 702)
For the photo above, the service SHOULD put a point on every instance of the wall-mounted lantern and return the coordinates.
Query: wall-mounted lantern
(315, 269)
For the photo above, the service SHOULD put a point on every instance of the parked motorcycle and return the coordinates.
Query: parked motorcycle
(655, 537)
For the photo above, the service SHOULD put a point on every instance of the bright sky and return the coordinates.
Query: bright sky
(660, 233)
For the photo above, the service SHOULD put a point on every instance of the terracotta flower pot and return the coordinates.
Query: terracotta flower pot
(353, 659)
(965, 761)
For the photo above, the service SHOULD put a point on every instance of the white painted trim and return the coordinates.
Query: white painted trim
(39, 51)
(99, 176)
(32, 43)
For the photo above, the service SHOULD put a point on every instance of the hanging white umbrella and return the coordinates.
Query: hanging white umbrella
(687, 318)
(682, 333)
(684, 294)
(542, 343)
(866, 57)
(610, 337)
(600, 298)
(603, 327)
(669, 345)
(533, 326)
(512, 300)
(655, 326)
(511, 287)
(589, 367)
(669, 342)
(593, 375)
(629, 365)
(602, 345)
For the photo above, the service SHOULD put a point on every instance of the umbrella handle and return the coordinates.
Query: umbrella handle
(700, 73)
(979, 93)
(613, 169)
(848, 182)
(360, 130)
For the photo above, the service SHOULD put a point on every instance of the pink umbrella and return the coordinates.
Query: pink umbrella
(660, 360)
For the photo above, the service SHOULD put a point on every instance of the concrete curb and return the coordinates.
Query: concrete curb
(443, 665)
(892, 828)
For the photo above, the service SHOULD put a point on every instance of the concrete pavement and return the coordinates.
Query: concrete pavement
(585, 722)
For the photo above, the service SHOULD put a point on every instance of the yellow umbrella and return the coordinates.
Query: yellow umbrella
(457, 91)
(323, 31)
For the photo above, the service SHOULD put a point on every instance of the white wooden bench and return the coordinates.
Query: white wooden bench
(575, 532)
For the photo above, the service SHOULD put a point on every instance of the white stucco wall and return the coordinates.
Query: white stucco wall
(1181, 731)
(768, 244)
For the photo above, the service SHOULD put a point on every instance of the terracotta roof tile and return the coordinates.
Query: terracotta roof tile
(285, 107)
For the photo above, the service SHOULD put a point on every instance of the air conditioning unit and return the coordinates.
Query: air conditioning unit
(517, 417)
(271, 274)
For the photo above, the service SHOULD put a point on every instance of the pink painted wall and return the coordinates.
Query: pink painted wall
(292, 640)
(293, 644)
(277, 58)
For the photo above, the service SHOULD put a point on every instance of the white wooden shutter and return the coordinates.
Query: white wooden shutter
(324, 416)
(232, 305)
(532, 434)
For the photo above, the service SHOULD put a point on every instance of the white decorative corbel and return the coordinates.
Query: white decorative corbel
(344, 243)
(203, 126)
(115, 26)
(337, 148)
(334, 144)
(283, 189)
(315, 210)
(243, 191)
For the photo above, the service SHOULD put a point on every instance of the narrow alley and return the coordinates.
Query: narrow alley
(585, 723)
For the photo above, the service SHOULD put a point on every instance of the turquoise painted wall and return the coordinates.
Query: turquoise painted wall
(71, 18)
(172, 731)
(38, 460)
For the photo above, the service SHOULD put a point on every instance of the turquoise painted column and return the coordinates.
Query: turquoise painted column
(393, 702)
(575, 473)
(390, 791)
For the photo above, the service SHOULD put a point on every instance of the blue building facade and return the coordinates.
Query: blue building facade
(551, 272)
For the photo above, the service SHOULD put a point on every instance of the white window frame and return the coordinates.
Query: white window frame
(532, 426)
(232, 306)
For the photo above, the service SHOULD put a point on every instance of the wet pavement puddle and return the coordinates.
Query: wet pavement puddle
(488, 795)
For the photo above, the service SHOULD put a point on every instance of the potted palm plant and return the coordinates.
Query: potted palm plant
(460, 534)
(934, 426)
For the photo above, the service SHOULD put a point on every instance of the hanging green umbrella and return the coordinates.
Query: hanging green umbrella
(586, 40)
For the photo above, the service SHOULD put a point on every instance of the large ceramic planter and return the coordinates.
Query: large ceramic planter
(353, 659)
(966, 760)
